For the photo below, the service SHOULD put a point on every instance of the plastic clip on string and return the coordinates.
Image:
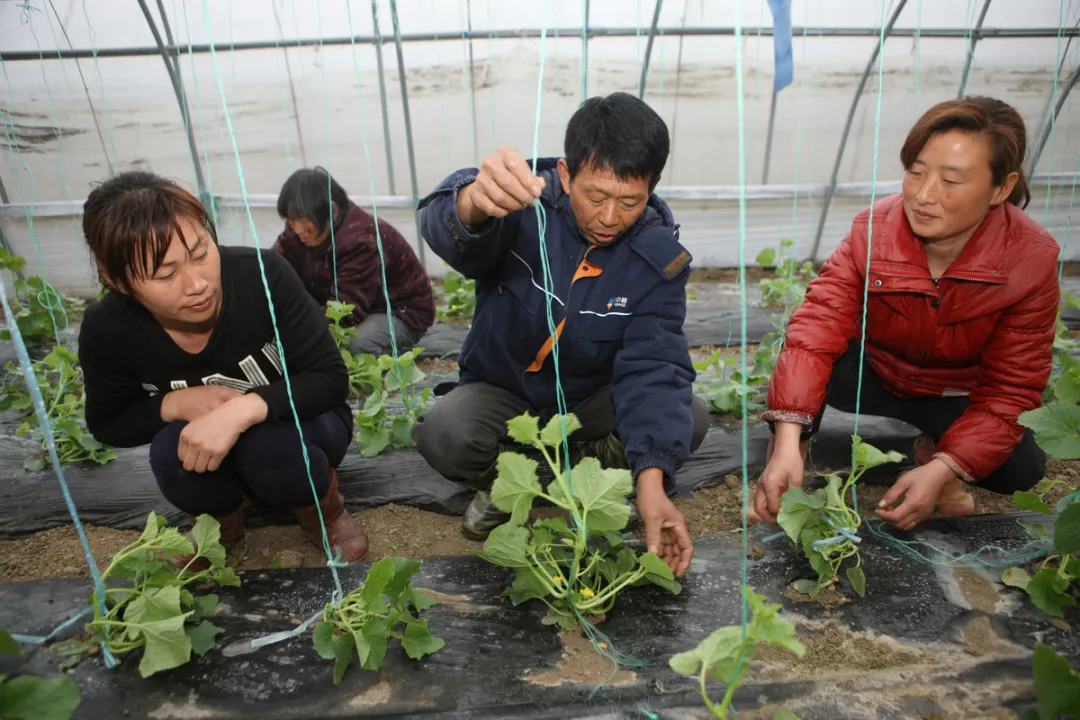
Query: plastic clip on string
(50, 444)
(333, 560)
(844, 534)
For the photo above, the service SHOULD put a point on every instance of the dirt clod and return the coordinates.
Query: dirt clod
(757, 552)
(828, 598)
(833, 648)
(980, 639)
(580, 664)
(979, 591)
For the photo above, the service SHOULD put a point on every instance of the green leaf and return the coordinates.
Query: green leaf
(1031, 501)
(323, 639)
(1067, 530)
(832, 491)
(602, 493)
(867, 456)
(1067, 388)
(207, 535)
(1038, 531)
(1016, 577)
(515, 486)
(657, 572)
(1057, 685)
(766, 258)
(1047, 591)
(371, 643)
(1055, 427)
(858, 580)
(796, 507)
(506, 545)
(421, 601)
(8, 646)
(33, 698)
(206, 603)
(160, 621)
(378, 577)
(404, 569)
(342, 646)
(526, 586)
(401, 431)
(203, 636)
(686, 663)
(34, 463)
(805, 586)
(524, 429)
(784, 714)
(418, 640)
(372, 440)
(552, 434)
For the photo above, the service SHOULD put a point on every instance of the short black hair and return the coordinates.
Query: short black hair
(619, 133)
(304, 196)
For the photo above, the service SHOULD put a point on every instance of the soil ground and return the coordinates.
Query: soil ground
(409, 532)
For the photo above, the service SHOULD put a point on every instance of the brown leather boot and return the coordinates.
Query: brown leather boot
(232, 533)
(343, 532)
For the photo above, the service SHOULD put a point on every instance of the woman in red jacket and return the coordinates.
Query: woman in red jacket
(963, 298)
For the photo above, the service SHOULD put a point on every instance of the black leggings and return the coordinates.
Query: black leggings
(933, 416)
(267, 461)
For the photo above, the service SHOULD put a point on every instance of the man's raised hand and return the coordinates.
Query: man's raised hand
(504, 185)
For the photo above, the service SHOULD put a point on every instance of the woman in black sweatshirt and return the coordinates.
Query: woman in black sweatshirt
(183, 354)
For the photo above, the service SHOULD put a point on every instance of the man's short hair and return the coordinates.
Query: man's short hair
(619, 133)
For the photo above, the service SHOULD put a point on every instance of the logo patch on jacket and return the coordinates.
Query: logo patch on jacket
(677, 264)
(616, 302)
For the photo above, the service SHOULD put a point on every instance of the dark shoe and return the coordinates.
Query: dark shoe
(481, 517)
(343, 532)
(232, 534)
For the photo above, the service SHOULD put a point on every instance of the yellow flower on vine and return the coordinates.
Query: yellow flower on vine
(586, 592)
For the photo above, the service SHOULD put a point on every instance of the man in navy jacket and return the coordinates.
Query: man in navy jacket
(618, 301)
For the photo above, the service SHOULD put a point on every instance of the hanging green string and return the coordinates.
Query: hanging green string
(491, 68)
(396, 366)
(1053, 115)
(918, 40)
(326, 124)
(210, 201)
(443, 79)
(49, 298)
(101, 83)
(333, 561)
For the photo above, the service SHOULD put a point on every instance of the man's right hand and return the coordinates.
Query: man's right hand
(505, 184)
(192, 403)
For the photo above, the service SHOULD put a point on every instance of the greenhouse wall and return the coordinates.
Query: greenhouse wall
(293, 106)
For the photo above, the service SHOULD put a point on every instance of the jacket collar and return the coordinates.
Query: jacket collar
(981, 260)
(656, 214)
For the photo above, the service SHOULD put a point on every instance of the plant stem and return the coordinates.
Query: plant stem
(717, 711)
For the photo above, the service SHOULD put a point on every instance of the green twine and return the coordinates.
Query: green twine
(1053, 116)
(491, 65)
(210, 202)
(333, 561)
(396, 369)
(918, 40)
(326, 122)
(14, 152)
(585, 52)
(870, 230)
(1030, 551)
(101, 82)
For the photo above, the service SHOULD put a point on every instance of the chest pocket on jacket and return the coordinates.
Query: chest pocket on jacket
(528, 296)
(604, 329)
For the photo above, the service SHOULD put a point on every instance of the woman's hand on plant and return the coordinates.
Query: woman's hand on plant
(666, 533)
(785, 470)
(919, 490)
(205, 441)
(192, 403)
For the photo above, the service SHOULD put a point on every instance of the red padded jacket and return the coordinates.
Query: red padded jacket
(987, 333)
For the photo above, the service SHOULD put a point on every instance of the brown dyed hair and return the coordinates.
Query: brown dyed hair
(129, 221)
(995, 121)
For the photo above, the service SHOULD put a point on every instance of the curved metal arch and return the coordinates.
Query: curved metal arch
(847, 128)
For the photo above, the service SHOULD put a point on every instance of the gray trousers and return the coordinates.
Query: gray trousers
(373, 336)
(459, 436)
